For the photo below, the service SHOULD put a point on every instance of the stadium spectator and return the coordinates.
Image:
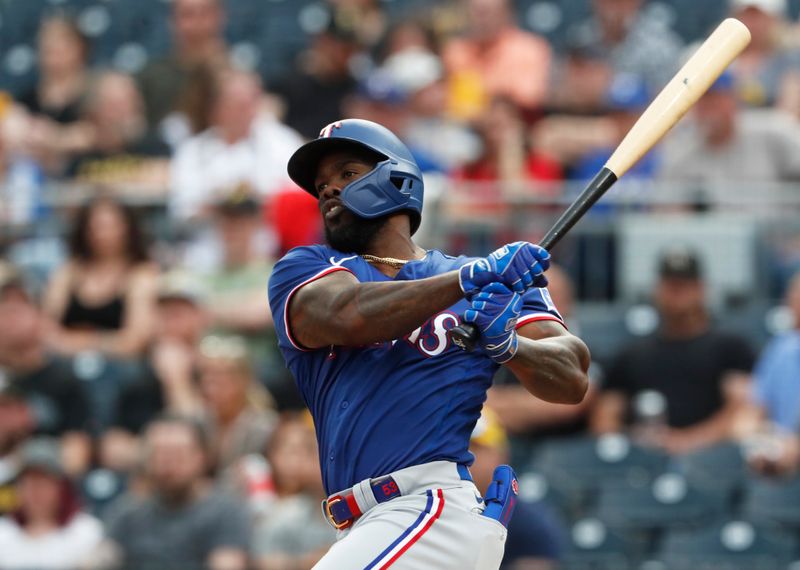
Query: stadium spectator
(413, 65)
(531, 418)
(495, 58)
(580, 82)
(633, 39)
(536, 538)
(506, 155)
(197, 33)
(722, 147)
(314, 90)
(182, 522)
(244, 145)
(767, 70)
(124, 152)
(102, 299)
(697, 374)
(55, 129)
(41, 394)
(168, 383)
(239, 411)
(292, 533)
(366, 19)
(231, 268)
(771, 426)
(48, 530)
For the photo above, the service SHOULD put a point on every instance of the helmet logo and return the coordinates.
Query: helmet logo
(328, 131)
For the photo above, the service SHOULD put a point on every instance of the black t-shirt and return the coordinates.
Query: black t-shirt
(56, 396)
(139, 403)
(533, 532)
(311, 102)
(69, 113)
(688, 372)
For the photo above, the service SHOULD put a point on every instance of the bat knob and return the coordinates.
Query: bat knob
(464, 336)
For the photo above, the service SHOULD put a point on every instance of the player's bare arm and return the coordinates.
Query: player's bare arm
(339, 310)
(551, 363)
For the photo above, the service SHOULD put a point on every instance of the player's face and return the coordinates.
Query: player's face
(344, 230)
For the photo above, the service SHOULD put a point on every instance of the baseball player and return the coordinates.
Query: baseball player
(362, 323)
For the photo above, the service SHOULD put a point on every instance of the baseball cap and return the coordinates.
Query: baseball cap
(679, 263)
(488, 432)
(241, 201)
(773, 7)
(628, 92)
(180, 285)
(41, 454)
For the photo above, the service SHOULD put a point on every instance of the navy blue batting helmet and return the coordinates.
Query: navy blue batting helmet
(394, 184)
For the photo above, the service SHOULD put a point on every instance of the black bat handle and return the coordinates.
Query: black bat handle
(465, 335)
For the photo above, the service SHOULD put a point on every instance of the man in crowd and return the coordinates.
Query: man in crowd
(47, 397)
(702, 373)
(182, 523)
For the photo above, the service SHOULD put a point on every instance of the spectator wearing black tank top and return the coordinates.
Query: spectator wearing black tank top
(103, 298)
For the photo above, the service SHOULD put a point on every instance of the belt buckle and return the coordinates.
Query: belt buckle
(328, 504)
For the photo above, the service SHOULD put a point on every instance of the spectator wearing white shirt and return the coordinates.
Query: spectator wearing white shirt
(244, 144)
(48, 530)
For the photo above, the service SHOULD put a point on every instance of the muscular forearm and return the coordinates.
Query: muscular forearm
(367, 313)
(553, 369)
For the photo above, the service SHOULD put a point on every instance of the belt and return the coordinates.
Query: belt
(341, 509)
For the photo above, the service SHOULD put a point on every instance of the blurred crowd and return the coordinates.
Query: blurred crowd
(146, 417)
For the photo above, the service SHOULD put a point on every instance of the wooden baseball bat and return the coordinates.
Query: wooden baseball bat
(701, 70)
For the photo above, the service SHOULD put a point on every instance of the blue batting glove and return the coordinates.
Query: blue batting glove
(518, 266)
(495, 310)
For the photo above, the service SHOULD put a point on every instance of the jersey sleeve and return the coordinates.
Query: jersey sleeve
(299, 267)
(537, 305)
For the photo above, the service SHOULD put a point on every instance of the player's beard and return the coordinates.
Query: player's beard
(356, 235)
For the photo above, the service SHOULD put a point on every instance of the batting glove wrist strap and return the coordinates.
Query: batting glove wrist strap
(494, 311)
(518, 266)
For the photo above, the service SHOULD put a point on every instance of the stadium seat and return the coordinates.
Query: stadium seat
(579, 467)
(731, 545)
(773, 501)
(720, 469)
(668, 501)
(592, 545)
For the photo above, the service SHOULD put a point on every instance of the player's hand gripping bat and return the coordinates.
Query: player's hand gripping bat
(683, 90)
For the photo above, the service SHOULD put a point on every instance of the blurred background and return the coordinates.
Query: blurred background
(146, 418)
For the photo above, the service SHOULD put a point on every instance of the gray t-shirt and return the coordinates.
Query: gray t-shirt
(295, 526)
(153, 536)
(763, 152)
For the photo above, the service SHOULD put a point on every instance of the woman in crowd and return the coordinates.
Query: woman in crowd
(103, 298)
(48, 530)
(56, 130)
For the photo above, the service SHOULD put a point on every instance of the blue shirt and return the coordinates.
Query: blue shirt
(777, 380)
(393, 404)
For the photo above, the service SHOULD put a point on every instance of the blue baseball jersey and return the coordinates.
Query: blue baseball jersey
(394, 404)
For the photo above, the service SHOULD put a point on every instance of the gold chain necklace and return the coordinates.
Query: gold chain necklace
(390, 261)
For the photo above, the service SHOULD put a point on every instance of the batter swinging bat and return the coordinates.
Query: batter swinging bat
(682, 91)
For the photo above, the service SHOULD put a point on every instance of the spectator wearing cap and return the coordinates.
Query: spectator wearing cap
(182, 522)
(536, 537)
(313, 91)
(495, 58)
(633, 39)
(168, 383)
(244, 144)
(48, 530)
(40, 392)
(723, 150)
(698, 374)
(583, 143)
(231, 267)
(767, 72)
(291, 533)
